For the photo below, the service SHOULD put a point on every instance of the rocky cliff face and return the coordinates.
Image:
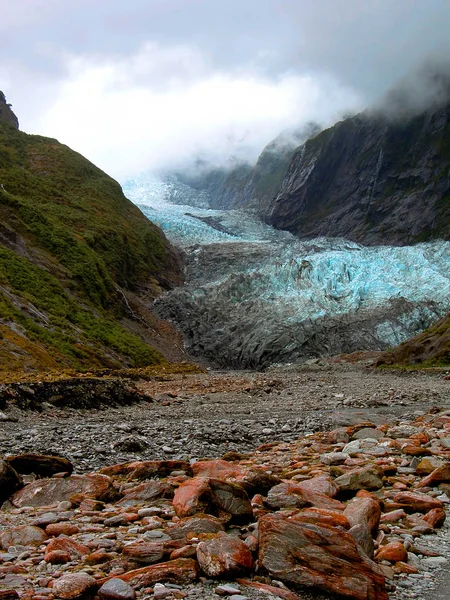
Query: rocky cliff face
(241, 184)
(6, 114)
(370, 179)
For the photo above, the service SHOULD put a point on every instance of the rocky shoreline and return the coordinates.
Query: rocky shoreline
(342, 484)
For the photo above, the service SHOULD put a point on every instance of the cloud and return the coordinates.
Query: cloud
(163, 104)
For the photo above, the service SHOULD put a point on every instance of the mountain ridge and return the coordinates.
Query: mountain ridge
(79, 263)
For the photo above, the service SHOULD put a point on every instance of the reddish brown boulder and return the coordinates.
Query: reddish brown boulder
(9, 595)
(318, 556)
(393, 516)
(417, 502)
(366, 478)
(322, 484)
(364, 511)
(253, 480)
(10, 481)
(439, 475)
(57, 557)
(322, 516)
(392, 552)
(199, 523)
(270, 590)
(290, 494)
(200, 495)
(144, 492)
(24, 535)
(147, 469)
(224, 555)
(148, 553)
(73, 585)
(47, 492)
(64, 528)
(183, 570)
(40, 464)
(73, 548)
(435, 517)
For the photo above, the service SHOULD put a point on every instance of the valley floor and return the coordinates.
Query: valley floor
(190, 416)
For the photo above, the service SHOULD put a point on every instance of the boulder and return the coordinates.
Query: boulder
(294, 495)
(439, 475)
(366, 478)
(47, 492)
(318, 556)
(116, 589)
(417, 502)
(392, 552)
(40, 464)
(197, 524)
(73, 585)
(435, 517)
(150, 490)
(10, 481)
(24, 535)
(362, 536)
(322, 516)
(202, 495)
(146, 469)
(180, 571)
(364, 511)
(223, 556)
(72, 547)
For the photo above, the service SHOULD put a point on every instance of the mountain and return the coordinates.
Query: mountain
(79, 263)
(239, 184)
(371, 179)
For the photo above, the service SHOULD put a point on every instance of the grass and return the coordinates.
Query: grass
(72, 243)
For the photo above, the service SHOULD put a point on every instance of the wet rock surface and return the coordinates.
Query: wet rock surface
(389, 541)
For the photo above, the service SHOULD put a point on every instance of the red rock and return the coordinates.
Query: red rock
(364, 511)
(417, 501)
(148, 553)
(10, 481)
(439, 475)
(428, 465)
(197, 524)
(223, 555)
(270, 590)
(366, 478)
(322, 516)
(47, 492)
(413, 450)
(393, 516)
(218, 469)
(40, 464)
(322, 484)
(435, 517)
(402, 567)
(193, 496)
(8, 595)
(57, 557)
(318, 556)
(24, 535)
(200, 495)
(73, 586)
(183, 552)
(147, 469)
(144, 492)
(392, 552)
(63, 528)
(183, 570)
(73, 548)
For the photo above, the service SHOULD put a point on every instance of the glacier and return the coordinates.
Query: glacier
(255, 296)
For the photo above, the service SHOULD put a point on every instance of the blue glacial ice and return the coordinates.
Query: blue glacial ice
(241, 272)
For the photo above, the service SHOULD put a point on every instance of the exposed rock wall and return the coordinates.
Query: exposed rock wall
(6, 114)
(370, 179)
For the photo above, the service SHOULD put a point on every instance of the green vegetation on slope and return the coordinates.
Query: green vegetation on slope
(431, 348)
(72, 246)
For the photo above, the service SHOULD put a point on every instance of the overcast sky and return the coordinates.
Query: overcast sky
(138, 84)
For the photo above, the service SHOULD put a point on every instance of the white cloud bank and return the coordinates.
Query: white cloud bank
(164, 104)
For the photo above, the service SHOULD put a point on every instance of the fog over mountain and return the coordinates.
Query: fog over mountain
(141, 84)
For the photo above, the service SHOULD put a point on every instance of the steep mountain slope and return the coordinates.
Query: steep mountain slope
(370, 179)
(429, 348)
(240, 184)
(77, 261)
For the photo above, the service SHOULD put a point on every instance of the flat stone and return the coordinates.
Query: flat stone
(24, 535)
(116, 589)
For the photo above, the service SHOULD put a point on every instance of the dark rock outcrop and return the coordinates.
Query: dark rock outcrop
(6, 114)
(370, 179)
